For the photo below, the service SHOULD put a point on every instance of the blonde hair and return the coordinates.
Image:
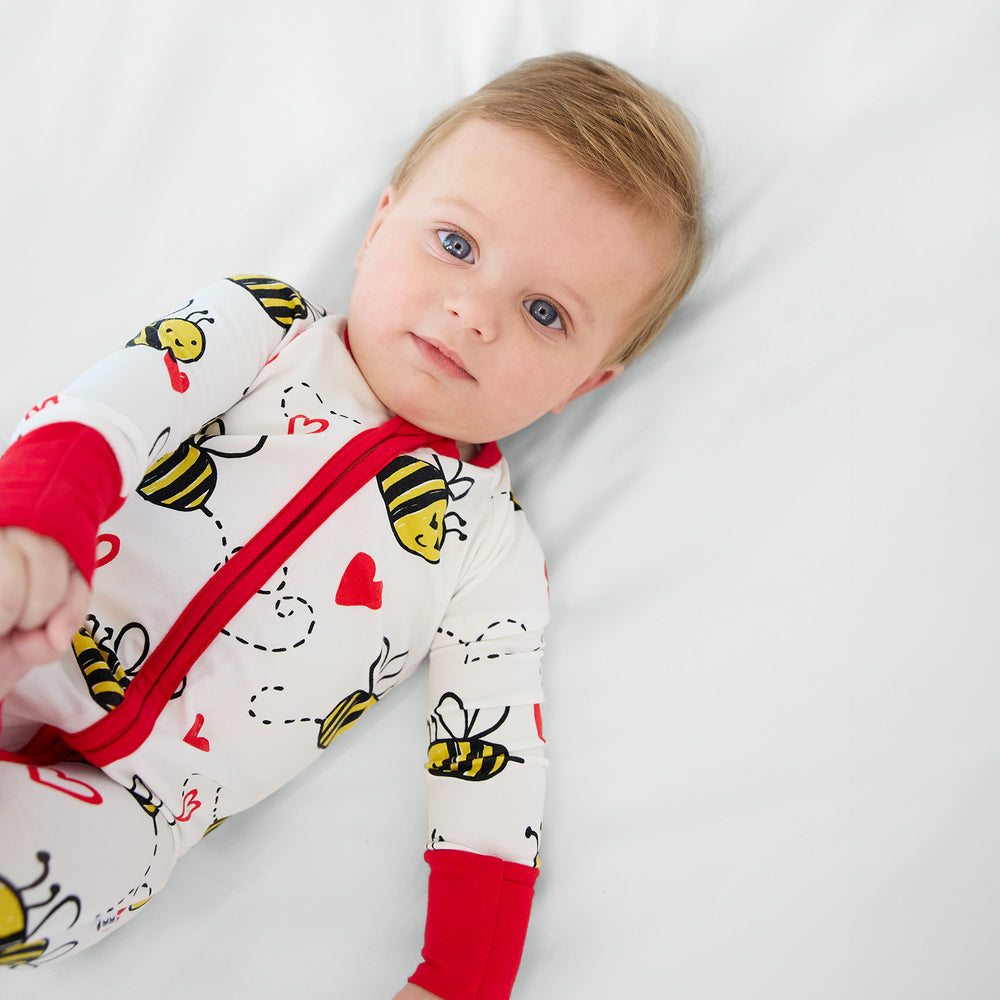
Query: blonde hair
(619, 131)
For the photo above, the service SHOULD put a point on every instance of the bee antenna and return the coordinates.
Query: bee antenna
(381, 658)
(74, 900)
(43, 859)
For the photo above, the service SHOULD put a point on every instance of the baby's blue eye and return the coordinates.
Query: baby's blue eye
(457, 246)
(544, 312)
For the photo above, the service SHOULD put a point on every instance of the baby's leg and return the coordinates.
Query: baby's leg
(79, 854)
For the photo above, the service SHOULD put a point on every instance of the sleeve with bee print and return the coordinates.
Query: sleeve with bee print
(179, 372)
(486, 764)
(486, 760)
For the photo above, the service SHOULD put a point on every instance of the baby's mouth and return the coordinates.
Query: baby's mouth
(443, 359)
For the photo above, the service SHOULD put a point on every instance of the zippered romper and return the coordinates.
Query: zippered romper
(232, 638)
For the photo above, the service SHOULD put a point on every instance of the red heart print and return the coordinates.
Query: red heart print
(193, 739)
(358, 586)
(68, 786)
(114, 544)
(191, 804)
(310, 425)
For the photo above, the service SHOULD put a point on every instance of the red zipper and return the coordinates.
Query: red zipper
(127, 726)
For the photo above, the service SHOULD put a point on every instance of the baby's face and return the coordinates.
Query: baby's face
(491, 290)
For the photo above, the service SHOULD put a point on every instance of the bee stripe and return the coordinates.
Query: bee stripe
(284, 304)
(167, 468)
(258, 282)
(18, 954)
(417, 497)
(407, 480)
(90, 659)
(106, 680)
(345, 715)
(174, 480)
(402, 467)
(106, 688)
(197, 501)
(270, 304)
(173, 464)
(467, 759)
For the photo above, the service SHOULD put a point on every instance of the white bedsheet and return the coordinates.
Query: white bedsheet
(773, 544)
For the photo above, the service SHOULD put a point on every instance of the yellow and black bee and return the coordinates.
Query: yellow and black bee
(351, 708)
(99, 661)
(150, 803)
(101, 669)
(18, 944)
(468, 756)
(185, 478)
(280, 301)
(528, 834)
(181, 337)
(416, 499)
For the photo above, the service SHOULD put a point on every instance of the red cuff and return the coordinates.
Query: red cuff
(62, 481)
(477, 918)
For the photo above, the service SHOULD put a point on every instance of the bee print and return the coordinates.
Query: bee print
(184, 479)
(180, 338)
(468, 756)
(351, 708)
(20, 945)
(150, 803)
(416, 497)
(280, 301)
(100, 663)
(533, 834)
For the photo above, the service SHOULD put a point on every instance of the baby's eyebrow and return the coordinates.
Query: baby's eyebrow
(462, 204)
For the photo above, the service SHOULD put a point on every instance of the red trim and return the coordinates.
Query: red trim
(477, 918)
(488, 455)
(61, 480)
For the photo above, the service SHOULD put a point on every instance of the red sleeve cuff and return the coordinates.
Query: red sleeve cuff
(477, 918)
(62, 481)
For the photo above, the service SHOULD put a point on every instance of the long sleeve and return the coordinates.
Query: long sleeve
(486, 768)
(77, 453)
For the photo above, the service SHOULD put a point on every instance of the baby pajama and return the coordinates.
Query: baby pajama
(215, 415)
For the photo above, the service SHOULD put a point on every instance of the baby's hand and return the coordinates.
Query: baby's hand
(413, 992)
(43, 599)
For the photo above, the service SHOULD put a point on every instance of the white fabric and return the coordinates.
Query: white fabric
(772, 545)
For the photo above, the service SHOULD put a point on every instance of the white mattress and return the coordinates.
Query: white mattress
(773, 545)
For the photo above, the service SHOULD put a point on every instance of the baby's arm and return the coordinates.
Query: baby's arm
(79, 453)
(486, 767)
(56, 486)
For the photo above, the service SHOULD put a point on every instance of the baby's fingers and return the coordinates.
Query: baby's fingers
(66, 619)
(20, 650)
(13, 584)
(48, 569)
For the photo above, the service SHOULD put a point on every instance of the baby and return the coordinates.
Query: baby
(267, 517)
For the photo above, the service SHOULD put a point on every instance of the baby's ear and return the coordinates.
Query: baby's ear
(599, 378)
(385, 202)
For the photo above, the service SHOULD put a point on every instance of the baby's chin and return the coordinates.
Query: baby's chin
(420, 414)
